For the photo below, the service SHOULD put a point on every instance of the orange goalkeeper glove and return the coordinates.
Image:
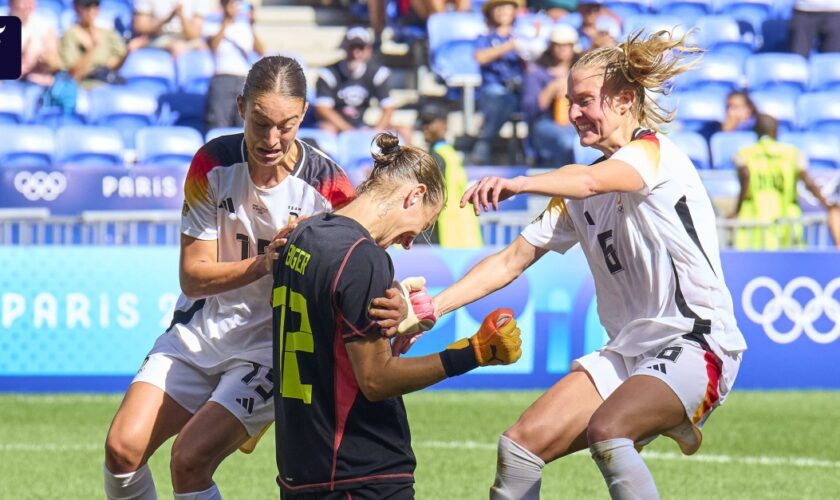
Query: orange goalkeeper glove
(497, 342)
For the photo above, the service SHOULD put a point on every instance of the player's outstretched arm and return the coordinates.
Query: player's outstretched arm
(381, 375)
(489, 275)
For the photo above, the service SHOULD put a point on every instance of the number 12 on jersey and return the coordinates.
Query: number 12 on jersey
(290, 342)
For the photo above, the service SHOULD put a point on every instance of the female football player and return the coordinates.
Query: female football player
(208, 378)
(646, 225)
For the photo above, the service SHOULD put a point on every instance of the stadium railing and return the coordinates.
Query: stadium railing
(36, 226)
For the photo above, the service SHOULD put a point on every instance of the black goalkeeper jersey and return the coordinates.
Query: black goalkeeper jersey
(329, 436)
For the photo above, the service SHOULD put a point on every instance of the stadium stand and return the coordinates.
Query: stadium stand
(695, 146)
(820, 112)
(194, 68)
(26, 145)
(218, 132)
(12, 104)
(779, 104)
(825, 72)
(721, 35)
(322, 140)
(151, 69)
(167, 146)
(126, 109)
(716, 73)
(822, 150)
(701, 111)
(724, 145)
(90, 146)
(688, 10)
(786, 72)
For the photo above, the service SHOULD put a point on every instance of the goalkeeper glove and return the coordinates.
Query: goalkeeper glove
(421, 312)
(497, 342)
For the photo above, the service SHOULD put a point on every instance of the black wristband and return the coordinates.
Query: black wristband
(458, 361)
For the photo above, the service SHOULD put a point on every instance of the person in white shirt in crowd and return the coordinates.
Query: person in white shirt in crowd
(39, 43)
(174, 25)
(232, 41)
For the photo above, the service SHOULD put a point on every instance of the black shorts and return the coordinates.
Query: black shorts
(372, 491)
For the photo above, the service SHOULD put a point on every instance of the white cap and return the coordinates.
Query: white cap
(563, 34)
(357, 34)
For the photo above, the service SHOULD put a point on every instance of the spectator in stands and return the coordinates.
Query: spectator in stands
(815, 19)
(740, 112)
(92, 55)
(554, 9)
(39, 43)
(232, 43)
(344, 89)
(174, 25)
(456, 227)
(591, 32)
(501, 74)
(768, 172)
(544, 99)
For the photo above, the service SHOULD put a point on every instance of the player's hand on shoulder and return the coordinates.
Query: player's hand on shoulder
(489, 191)
(274, 247)
(497, 341)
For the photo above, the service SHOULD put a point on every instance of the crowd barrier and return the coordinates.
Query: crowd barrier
(82, 318)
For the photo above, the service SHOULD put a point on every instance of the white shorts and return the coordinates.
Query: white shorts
(701, 378)
(243, 388)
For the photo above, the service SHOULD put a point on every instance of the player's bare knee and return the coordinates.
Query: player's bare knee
(188, 462)
(527, 435)
(603, 428)
(121, 454)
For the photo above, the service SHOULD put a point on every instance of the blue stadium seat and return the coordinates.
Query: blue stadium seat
(722, 35)
(779, 105)
(182, 109)
(724, 145)
(716, 73)
(786, 72)
(825, 71)
(354, 148)
(87, 145)
(321, 139)
(447, 26)
(820, 112)
(822, 150)
(584, 156)
(220, 131)
(627, 8)
(151, 69)
(125, 109)
(194, 69)
(775, 35)
(12, 103)
(652, 23)
(456, 60)
(701, 111)
(26, 146)
(753, 12)
(167, 146)
(687, 10)
(695, 146)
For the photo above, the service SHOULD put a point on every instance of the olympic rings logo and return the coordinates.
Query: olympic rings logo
(784, 302)
(40, 185)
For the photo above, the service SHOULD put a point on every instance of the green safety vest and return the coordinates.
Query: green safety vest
(457, 227)
(771, 195)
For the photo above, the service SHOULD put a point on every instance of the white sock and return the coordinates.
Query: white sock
(626, 474)
(518, 472)
(211, 493)
(137, 485)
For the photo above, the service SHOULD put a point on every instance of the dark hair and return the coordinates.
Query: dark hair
(275, 75)
(766, 125)
(746, 97)
(395, 164)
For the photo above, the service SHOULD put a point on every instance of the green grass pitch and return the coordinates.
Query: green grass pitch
(760, 445)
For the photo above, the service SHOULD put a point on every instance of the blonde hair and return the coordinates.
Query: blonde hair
(394, 165)
(644, 66)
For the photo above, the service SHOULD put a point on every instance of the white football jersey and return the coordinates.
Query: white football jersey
(654, 254)
(222, 203)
